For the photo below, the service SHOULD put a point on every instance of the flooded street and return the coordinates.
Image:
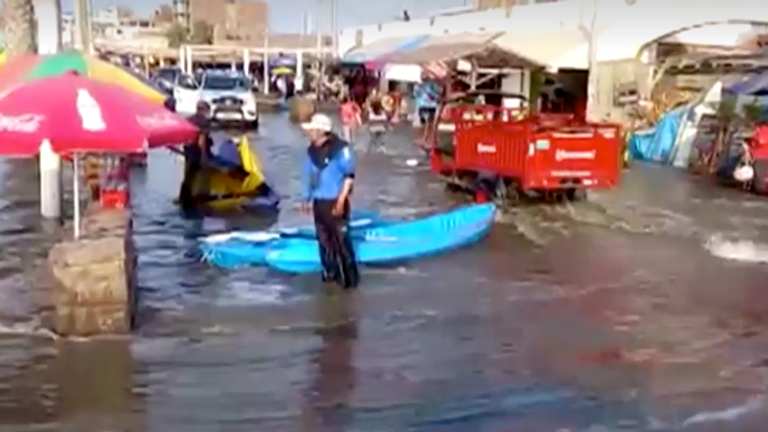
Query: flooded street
(643, 309)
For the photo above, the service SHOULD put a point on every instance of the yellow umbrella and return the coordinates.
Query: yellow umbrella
(282, 70)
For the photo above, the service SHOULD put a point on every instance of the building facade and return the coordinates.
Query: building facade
(234, 20)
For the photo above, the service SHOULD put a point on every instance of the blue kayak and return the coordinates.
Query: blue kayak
(395, 242)
(242, 248)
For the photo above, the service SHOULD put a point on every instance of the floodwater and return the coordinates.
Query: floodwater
(643, 309)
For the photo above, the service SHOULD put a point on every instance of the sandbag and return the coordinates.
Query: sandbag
(301, 109)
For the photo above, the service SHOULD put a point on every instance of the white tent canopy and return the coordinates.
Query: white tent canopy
(559, 38)
(382, 47)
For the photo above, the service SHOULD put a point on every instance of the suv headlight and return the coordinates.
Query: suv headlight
(249, 102)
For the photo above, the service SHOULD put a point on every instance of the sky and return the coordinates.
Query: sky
(285, 15)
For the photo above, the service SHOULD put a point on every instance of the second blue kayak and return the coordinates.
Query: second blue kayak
(243, 248)
(395, 242)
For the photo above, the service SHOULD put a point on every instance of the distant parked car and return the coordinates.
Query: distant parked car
(186, 94)
(165, 78)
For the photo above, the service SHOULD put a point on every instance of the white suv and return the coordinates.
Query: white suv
(229, 94)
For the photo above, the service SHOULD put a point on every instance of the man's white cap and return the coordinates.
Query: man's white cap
(318, 122)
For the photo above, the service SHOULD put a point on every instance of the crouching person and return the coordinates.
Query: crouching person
(329, 172)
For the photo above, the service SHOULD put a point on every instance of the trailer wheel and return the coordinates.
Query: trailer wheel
(576, 194)
(481, 196)
(484, 191)
(453, 188)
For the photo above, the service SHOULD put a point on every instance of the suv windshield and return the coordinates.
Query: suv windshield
(187, 82)
(213, 82)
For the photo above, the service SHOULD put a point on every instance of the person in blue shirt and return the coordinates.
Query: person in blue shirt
(329, 173)
(427, 95)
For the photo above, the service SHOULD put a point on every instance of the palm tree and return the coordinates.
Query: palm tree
(19, 27)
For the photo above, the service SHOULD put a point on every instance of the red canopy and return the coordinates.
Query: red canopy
(77, 114)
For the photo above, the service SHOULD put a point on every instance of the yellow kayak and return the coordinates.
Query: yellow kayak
(242, 188)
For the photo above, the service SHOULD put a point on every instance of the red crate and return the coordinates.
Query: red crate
(115, 198)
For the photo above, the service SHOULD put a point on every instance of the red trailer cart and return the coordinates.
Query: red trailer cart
(505, 153)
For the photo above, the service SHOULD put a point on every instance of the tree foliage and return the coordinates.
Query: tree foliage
(164, 14)
(177, 35)
(20, 27)
(124, 12)
(202, 33)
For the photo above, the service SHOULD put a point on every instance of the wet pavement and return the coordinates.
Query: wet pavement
(641, 309)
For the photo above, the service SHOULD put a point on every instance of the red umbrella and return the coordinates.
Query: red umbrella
(78, 114)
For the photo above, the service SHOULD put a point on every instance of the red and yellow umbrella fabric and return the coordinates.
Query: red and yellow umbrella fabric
(19, 70)
(78, 114)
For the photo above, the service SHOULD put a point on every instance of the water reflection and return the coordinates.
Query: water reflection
(95, 382)
(25, 394)
(326, 401)
(565, 318)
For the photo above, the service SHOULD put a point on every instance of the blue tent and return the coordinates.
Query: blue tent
(756, 85)
(658, 145)
(283, 61)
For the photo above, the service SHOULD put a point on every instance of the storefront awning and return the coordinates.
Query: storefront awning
(548, 49)
(551, 49)
(382, 48)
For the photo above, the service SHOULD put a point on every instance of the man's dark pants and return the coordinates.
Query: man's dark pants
(336, 252)
(186, 198)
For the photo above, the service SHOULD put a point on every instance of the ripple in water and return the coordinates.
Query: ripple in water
(492, 338)
(746, 251)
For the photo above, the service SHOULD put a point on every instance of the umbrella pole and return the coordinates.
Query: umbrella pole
(76, 192)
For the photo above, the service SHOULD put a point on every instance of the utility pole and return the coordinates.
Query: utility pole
(49, 42)
(319, 52)
(590, 32)
(335, 27)
(82, 35)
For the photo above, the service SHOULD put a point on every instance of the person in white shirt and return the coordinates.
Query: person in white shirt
(378, 123)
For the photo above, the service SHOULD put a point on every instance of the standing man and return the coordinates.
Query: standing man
(195, 155)
(329, 173)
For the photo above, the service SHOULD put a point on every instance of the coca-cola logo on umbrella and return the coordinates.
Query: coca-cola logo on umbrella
(157, 121)
(24, 123)
(90, 112)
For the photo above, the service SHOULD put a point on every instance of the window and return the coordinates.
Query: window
(187, 82)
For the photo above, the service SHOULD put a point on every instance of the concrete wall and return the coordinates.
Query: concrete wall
(612, 75)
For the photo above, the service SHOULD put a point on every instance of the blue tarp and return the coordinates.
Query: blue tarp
(283, 61)
(658, 145)
(756, 85)
(228, 155)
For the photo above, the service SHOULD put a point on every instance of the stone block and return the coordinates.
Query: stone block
(94, 276)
